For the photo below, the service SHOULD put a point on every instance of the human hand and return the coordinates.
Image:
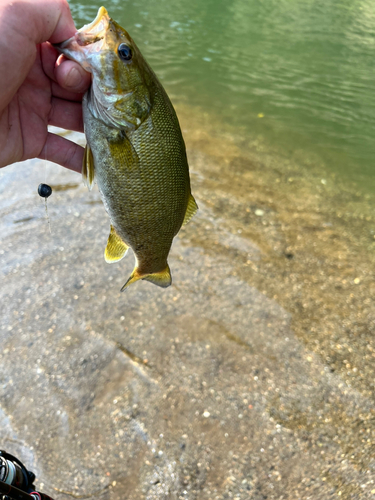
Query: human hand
(37, 89)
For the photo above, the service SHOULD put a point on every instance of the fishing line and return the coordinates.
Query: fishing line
(45, 191)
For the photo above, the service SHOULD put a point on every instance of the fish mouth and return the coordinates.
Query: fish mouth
(78, 46)
(99, 24)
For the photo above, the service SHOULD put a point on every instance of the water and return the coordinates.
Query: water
(254, 374)
(298, 75)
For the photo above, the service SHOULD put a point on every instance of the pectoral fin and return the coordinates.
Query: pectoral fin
(88, 171)
(162, 278)
(191, 210)
(116, 248)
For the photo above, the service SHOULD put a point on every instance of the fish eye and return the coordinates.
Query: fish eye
(125, 52)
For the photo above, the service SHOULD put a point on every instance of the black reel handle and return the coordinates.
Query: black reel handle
(8, 491)
(11, 492)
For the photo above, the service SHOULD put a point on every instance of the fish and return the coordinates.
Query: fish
(135, 151)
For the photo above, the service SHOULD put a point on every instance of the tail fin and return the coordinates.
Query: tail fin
(161, 278)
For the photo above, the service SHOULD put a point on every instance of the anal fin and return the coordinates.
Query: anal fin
(190, 210)
(88, 170)
(116, 248)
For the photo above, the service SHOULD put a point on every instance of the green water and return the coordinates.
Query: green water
(300, 75)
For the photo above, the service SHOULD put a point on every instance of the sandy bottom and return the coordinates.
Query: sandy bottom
(251, 377)
(316, 237)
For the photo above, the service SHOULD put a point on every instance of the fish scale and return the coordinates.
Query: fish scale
(135, 150)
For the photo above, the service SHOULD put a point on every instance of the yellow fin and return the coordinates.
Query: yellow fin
(191, 209)
(116, 249)
(162, 278)
(88, 170)
(135, 276)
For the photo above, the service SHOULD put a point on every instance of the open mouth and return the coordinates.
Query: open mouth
(93, 32)
(88, 34)
(83, 39)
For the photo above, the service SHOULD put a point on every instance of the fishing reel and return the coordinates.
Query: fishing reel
(16, 482)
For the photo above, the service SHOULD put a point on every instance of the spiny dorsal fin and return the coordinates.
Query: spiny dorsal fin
(88, 171)
(116, 248)
(191, 209)
(162, 278)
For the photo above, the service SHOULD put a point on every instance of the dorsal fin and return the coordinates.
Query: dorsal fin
(190, 210)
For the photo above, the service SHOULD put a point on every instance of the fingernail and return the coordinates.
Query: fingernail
(73, 78)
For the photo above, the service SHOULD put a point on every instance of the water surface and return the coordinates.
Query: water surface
(298, 75)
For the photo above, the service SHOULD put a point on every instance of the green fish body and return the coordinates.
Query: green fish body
(135, 150)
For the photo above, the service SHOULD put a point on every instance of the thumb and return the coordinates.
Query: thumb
(71, 76)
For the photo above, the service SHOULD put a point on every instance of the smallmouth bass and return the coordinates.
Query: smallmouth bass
(135, 151)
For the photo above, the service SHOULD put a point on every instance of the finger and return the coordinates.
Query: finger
(27, 23)
(65, 153)
(69, 80)
(48, 55)
(64, 27)
(71, 76)
(66, 115)
(37, 20)
(58, 91)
